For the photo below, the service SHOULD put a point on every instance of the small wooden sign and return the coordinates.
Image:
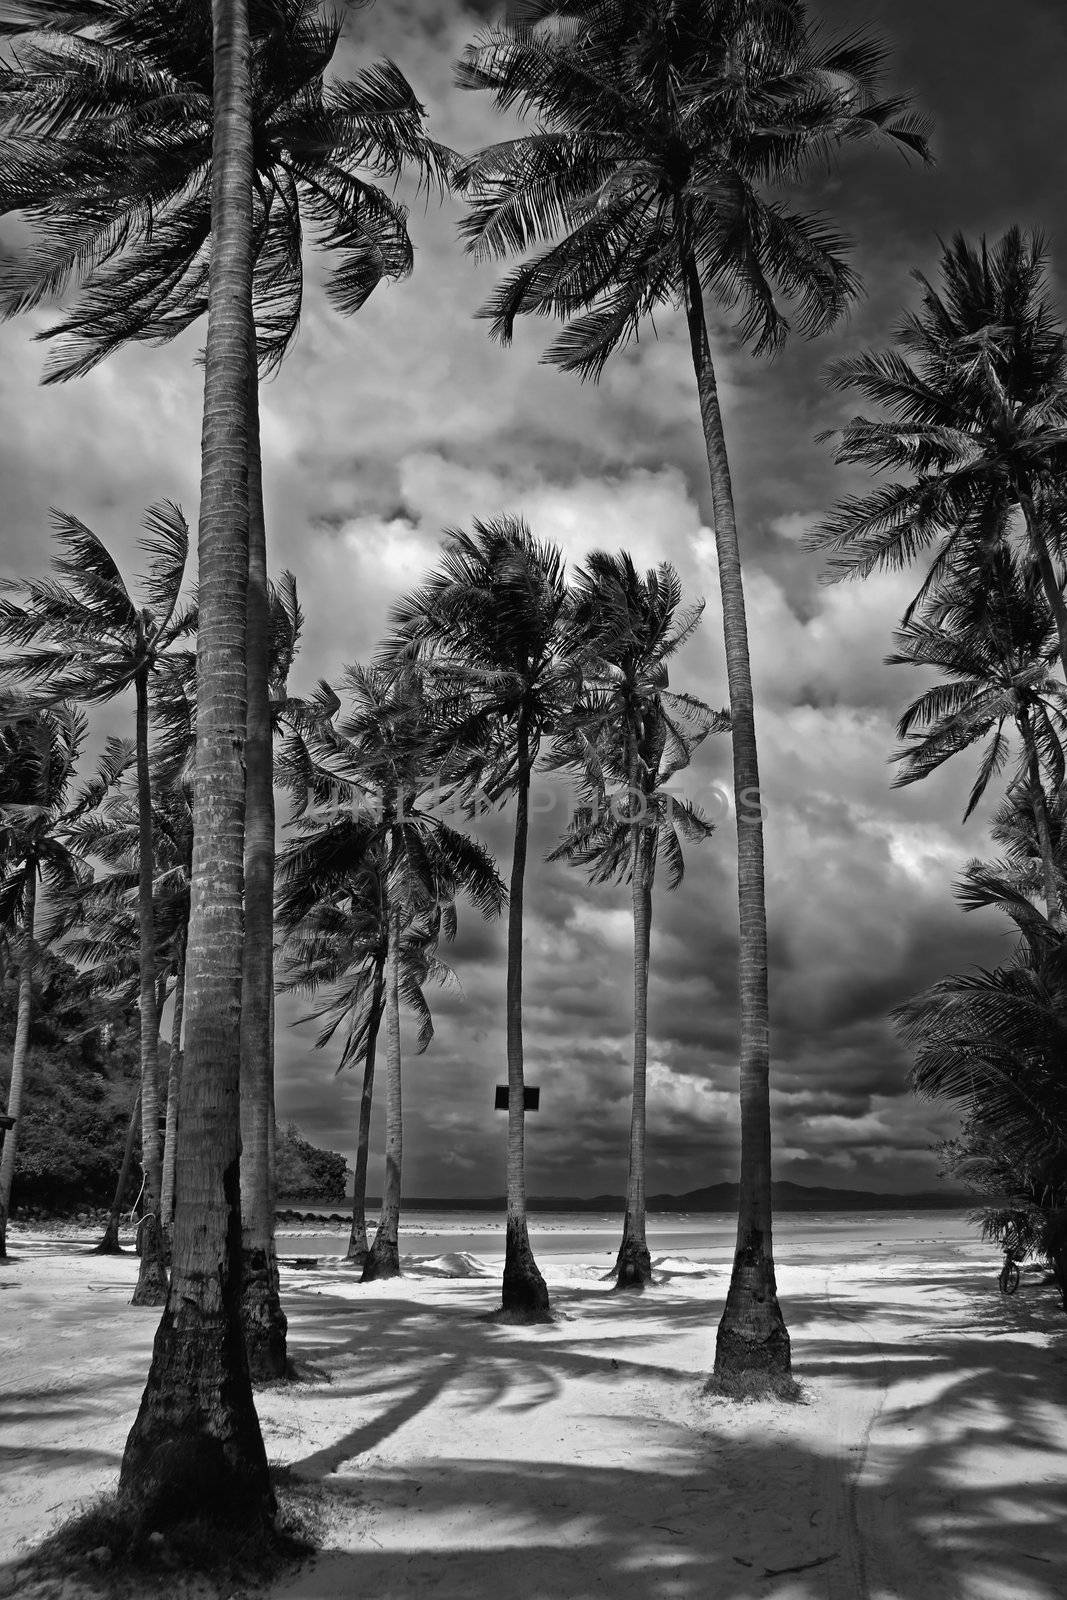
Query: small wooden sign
(531, 1097)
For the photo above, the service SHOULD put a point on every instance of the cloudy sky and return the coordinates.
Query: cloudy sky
(382, 431)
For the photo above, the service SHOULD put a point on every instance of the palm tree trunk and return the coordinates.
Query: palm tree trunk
(357, 1237)
(196, 1444)
(109, 1244)
(151, 1287)
(752, 1333)
(1039, 809)
(261, 1309)
(174, 1083)
(633, 1265)
(1053, 592)
(383, 1258)
(524, 1291)
(21, 1051)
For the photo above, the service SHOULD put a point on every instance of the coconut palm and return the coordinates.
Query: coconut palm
(991, 636)
(627, 739)
(104, 941)
(39, 753)
(666, 137)
(331, 906)
(89, 638)
(197, 1423)
(973, 399)
(488, 626)
(406, 870)
(130, 218)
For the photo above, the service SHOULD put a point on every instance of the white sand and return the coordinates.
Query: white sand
(471, 1461)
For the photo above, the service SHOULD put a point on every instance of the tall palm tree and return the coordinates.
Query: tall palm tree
(627, 739)
(196, 1431)
(973, 399)
(488, 626)
(90, 638)
(131, 219)
(38, 756)
(98, 945)
(991, 635)
(666, 136)
(332, 909)
(403, 872)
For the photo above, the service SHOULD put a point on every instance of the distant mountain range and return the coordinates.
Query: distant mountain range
(718, 1197)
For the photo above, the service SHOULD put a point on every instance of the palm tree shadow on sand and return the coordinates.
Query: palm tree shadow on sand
(896, 1499)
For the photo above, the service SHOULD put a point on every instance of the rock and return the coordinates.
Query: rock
(101, 1555)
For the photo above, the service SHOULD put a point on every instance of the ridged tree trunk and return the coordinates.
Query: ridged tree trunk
(20, 1053)
(174, 1083)
(752, 1333)
(196, 1446)
(357, 1234)
(261, 1308)
(151, 1286)
(524, 1292)
(383, 1257)
(109, 1244)
(633, 1265)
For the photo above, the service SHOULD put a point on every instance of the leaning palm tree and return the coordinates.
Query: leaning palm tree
(973, 399)
(89, 638)
(488, 626)
(625, 742)
(991, 637)
(197, 1423)
(667, 136)
(130, 218)
(38, 756)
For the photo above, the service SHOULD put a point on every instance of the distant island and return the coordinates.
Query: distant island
(716, 1197)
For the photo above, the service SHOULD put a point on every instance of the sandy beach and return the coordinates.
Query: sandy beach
(462, 1458)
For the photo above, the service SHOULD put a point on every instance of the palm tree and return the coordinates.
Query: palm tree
(88, 639)
(402, 874)
(488, 627)
(331, 906)
(131, 218)
(38, 756)
(665, 135)
(991, 635)
(627, 739)
(104, 945)
(974, 402)
(196, 1430)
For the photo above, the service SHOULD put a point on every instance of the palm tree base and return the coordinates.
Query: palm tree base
(383, 1260)
(109, 1244)
(151, 1288)
(262, 1318)
(524, 1293)
(633, 1265)
(195, 1450)
(752, 1336)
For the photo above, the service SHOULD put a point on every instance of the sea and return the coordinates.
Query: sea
(800, 1236)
